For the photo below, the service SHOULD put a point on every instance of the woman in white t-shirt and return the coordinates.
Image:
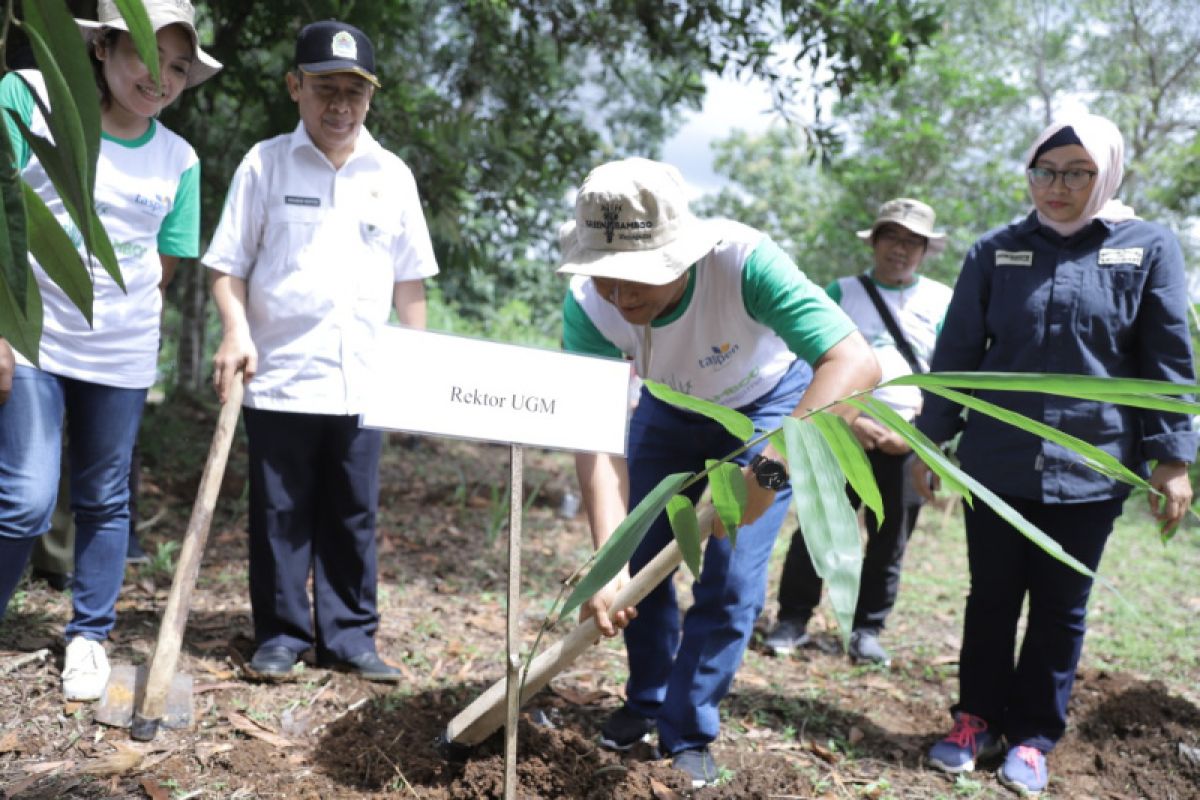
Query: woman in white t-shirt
(90, 381)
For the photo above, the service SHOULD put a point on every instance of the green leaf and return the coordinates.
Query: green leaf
(738, 424)
(22, 330)
(728, 488)
(965, 485)
(56, 253)
(925, 449)
(1092, 456)
(827, 521)
(686, 528)
(78, 144)
(142, 32)
(14, 250)
(1084, 386)
(616, 552)
(851, 458)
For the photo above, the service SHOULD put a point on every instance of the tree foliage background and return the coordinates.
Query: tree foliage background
(501, 106)
(952, 130)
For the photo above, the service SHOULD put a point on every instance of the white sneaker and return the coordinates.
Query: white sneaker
(85, 670)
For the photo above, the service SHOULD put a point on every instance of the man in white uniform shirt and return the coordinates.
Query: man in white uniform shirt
(322, 235)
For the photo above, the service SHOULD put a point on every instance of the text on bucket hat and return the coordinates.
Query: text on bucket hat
(161, 13)
(330, 46)
(913, 215)
(632, 223)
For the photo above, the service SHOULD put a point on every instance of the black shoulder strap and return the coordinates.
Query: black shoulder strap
(885, 314)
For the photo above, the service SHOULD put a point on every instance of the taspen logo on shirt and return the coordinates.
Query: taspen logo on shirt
(157, 204)
(719, 356)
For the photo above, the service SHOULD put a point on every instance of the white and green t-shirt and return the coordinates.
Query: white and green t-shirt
(746, 314)
(147, 197)
(918, 308)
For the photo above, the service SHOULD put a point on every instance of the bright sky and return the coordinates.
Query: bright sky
(728, 105)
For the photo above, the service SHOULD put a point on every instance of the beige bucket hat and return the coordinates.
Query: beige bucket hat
(632, 223)
(162, 13)
(911, 214)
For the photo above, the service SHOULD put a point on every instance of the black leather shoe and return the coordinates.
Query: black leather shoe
(57, 581)
(272, 661)
(368, 666)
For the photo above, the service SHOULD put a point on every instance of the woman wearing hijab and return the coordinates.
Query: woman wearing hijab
(1081, 286)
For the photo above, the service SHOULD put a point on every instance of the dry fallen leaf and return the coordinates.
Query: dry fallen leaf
(663, 792)
(855, 735)
(10, 743)
(154, 789)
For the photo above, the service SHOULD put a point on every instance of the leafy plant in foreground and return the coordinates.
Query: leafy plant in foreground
(824, 454)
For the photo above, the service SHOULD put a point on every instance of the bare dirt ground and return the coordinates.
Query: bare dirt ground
(810, 726)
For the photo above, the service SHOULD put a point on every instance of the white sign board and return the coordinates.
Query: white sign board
(438, 383)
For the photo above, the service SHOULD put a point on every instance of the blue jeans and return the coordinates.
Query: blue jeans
(1027, 700)
(101, 423)
(678, 674)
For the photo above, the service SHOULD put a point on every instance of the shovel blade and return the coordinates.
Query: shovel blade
(123, 694)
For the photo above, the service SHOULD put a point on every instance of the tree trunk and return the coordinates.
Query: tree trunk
(191, 368)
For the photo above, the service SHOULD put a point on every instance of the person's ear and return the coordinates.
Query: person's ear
(293, 84)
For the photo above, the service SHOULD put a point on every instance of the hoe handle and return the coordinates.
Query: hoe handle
(486, 714)
(149, 712)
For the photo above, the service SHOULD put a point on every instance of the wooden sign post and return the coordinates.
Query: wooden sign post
(435, 383)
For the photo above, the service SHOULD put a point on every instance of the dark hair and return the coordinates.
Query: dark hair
(106, 38)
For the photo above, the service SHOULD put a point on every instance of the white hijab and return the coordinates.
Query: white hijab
(1106, 147)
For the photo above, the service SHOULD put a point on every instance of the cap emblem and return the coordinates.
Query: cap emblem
(344, 46)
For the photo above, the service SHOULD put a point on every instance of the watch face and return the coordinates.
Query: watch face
(771, 474)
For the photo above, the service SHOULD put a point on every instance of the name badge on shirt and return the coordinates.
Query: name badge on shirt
(1014, 258)
(1120, 255)
(294, 200)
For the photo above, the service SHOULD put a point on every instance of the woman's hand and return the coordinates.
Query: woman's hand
(599, 604)
(924, 480)
(1171, 479)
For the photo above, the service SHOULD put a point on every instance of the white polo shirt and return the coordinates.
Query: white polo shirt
(320, 249)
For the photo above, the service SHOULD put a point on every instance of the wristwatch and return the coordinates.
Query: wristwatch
(771, 474)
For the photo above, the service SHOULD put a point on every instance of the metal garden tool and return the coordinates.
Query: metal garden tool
(144, 698)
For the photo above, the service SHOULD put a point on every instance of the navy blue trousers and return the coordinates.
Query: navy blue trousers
(1026, 700)
(680, 669)
(314, 492)
(800, 586)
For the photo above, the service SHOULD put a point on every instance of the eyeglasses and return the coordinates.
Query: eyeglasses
(1043, 177)
(892, 238)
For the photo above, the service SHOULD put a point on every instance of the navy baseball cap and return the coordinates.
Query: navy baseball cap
(330, 46)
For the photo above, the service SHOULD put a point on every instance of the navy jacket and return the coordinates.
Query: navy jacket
(1110, 300)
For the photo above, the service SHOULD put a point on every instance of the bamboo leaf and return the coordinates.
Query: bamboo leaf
(686, 528)
(1092, 456)
(616, 552)
(55, 251)
(728, 488)
(14, 250)
(22, 330)
(827, 522)
(141, 30)
(738, 424)
(62, 175)
(851, 458)
(967, 486)
(925, 449)
(77, 143)
(1085, 386)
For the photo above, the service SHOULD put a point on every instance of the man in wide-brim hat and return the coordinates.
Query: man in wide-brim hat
(715, 309)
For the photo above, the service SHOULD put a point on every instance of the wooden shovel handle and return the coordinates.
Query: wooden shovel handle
(486, 714)
(170, 632)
